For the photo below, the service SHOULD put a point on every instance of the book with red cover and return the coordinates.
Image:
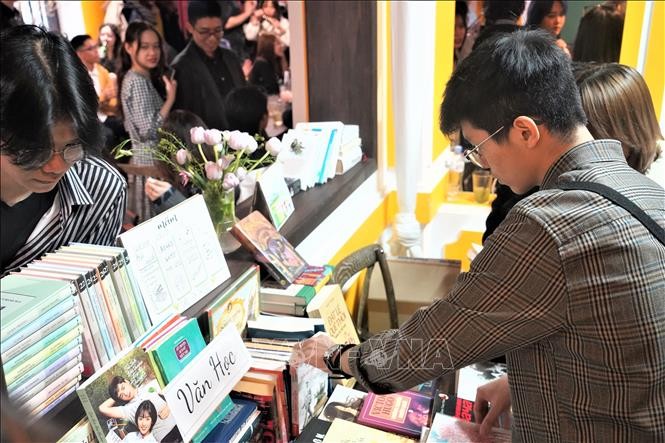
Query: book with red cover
(402, 412)
(269, 248)
(458, 407)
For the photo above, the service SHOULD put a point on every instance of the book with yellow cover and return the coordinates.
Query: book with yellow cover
(329, 305)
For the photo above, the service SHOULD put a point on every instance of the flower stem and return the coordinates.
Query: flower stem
(201, 152)
(259, 161)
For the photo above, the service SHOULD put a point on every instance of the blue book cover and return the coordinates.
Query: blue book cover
(230, 424)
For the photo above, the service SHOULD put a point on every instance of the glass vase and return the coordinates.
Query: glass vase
(221, 206)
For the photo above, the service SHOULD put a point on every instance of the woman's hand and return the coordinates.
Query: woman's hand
(155, 188)
(492, 400)
(171, 86)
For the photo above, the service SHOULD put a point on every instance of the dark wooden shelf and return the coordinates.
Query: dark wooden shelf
(311, 208)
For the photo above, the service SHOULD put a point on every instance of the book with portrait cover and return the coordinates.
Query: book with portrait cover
(124, 399)
(402, 412)
(344, 403)
(269, 248)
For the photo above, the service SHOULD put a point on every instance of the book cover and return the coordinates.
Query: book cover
(116, 263)
(342, 431)
(446, 429)
(315, 276)
(329, 305)
(279, 370)
(309, 392)
(344, 403)
(250, 431)
(35, 385)
(459, 408)
(92, 308)
(238, 304)
(81, 432)
(403, 412)
(272, 197)
(314, 432)
(61, 335)
(24, 300)
(269, 248)
(53, 363)
(39, 334)
(263, 394)
(124, 397)
(64, 344)
(232, 422)
(177, 349)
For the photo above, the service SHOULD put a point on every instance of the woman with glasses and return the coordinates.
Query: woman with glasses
(54, 188)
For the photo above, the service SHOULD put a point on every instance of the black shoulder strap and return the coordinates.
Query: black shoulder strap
(620, 200)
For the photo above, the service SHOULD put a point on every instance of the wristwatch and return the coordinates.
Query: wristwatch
(333, 359)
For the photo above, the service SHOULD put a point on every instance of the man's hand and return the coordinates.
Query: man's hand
(492, 400)
(311, 351)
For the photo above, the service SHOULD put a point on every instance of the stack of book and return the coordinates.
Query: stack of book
(113, 310)
(293, 282)
(42, 342)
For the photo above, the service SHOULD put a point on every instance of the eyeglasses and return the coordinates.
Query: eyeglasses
(210, 32)
(474, 155)
(35, 159)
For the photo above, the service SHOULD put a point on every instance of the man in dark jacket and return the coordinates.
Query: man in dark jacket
(205, 72)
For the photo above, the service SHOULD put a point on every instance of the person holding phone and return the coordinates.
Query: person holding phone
(147, 94)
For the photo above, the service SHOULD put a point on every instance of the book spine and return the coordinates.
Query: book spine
(91, 333)
(90, 357)
(61, 384)
(125, 306)
(48, 406)
(98, 320)
(39, 334)
(91, 412)
(33, 386)
(250, 427)
(124, 338)
(68, 340)
(157, 369)
(101, 298)
(213, 420)
(136, 291)
(35, 319)
(70, 328)
(127, 297)
(45, 368)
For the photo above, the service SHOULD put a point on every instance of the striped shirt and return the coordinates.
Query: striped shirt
(572, 289)
(89, 207)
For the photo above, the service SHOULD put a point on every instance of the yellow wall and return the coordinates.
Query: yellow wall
(655, 55)
(443, 67)
(93, 16)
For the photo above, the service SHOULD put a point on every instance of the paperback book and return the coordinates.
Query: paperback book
(344, 403)
(269, 248)
(447, 429)
(349, 432)
(403, 412)
(124, 395)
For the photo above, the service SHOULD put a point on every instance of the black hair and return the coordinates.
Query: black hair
(599, 35)
(503, 10)
(113, 389)
(275, 4)
(462, 9)
(43, 81)
(117, 46)
(78, 41)
(245, 107)
(197, 9)
(146, 406)
(520, 73)
(538, 9)
(133, 35)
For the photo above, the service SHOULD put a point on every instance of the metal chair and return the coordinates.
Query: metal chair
(366, 258)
